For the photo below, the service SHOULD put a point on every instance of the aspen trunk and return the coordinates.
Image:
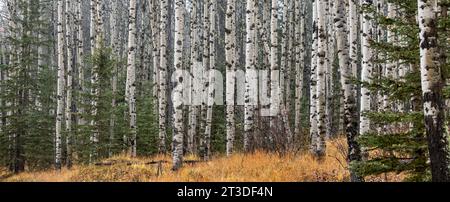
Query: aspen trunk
(93, 22)
(194, 51)
(163, 76)
(298, 69)
(367, 67)
(230, 40)
(313, 95)
(250, 74)
(69, 83)
(274, 67)
(212, 79)
(60, 86)
(178, 91)
(432, 91)
(353, 36)
(321, 78)
(156, 42)
(329, 13)
(130, 91)
(80, 60)
(350, 108)
(284, 53)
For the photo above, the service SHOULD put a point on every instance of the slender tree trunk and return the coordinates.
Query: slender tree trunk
(320, 147)
(353, 37)
(80, 61)
(194, 51)
(250, 75)
(69, 83)
(163, 76)
(230, 40)
(114, 18)
(131, 77)
(298, 69)
(212, 79)
(97, 41)
(350, 108)
(290, 74)
(313, 91)
(274, 67)
(432, 91)
(284, 52)
(60, 87)
(206, 66)
(367, 66)
(330, 54)
(156, 53)
(93, 22)
(178, 90)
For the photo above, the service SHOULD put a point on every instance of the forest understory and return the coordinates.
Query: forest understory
(256, 167)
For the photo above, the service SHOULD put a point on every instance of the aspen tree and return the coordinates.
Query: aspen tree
(298, 68)
(320, 146)
(230, 48)
(69, 82)
(274, 67)
(60, 86)
(367, 65)
(250, 74)
(164, 7)
(313, 95)
(93, 22)
(80, 59)
(212, 79)
(130, 92)
(178, 90)
(431, 77)
(194, 51)
(350, 108)
(284, 51)
(353, 36)
(330, 54)
(156, 42)
(289, 71)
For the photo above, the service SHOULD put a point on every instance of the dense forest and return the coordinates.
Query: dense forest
(82, 81)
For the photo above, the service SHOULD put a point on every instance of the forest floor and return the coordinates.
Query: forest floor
(256, 167)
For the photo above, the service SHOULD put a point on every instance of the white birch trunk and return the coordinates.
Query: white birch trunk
(250, 74)
(130, 92)
(274, 67)
(194, 51)
(69, 81)
(230, 48)
(163, 76)
(212, 79)
(80, 60)
(367, 67)
(156, 41)
(178, 91)
(313, 99)
(321, 78)
(60, 86)
(350, 109)
(298, 69)
(431, 77)
(353, 36)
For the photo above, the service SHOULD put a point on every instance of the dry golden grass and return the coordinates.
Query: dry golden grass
(256, 167)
